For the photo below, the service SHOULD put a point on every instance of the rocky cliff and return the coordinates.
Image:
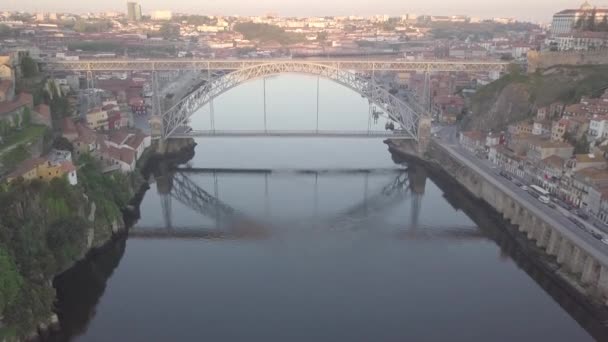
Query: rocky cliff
(517, 96)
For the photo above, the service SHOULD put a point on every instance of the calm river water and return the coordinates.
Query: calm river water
(320, 254)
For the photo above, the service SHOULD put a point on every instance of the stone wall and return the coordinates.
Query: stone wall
(543, 60)
(577, 266)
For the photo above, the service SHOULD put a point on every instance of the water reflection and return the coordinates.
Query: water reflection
(80, 289)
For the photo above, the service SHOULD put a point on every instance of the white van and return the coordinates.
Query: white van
(544, 199)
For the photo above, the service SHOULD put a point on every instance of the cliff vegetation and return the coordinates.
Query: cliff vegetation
(45, 227)
(517, 96)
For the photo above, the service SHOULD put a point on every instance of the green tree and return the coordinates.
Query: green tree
(591, 20)
(26, 117)
(64, 144)
(169, 31)
(29, 68)
(10, 281)
(5, 31)
(603, 25)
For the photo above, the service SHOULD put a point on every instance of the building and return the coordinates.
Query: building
(473, 141)
(598, 127)
(558, 129)
(540, 149)
(97, 119)
(133, 11)
(564, 22)
(56, 164)
(162, 15)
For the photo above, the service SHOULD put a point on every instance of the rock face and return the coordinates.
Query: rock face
(512, 104)
(516, 96)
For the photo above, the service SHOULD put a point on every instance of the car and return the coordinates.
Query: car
(518, 184)
(524, 188)
(597, 235)
(551, 205)
(505, 175)
(576, 222)
(582, 215)
(544, 199)
(605, 240)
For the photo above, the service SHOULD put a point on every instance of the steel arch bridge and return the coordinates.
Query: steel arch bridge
(407, 116)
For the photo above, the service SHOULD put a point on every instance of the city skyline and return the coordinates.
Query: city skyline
(538, 11)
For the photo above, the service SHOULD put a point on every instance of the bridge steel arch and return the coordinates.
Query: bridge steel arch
(405, 115)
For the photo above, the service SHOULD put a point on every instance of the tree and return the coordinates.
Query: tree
(10, 281)
(5, 31)
(169, 31)
(29, 68)
(591, 20)
(26, 116)
(603, 25)
(64, 144)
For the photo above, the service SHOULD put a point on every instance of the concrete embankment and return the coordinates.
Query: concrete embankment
(568, 265)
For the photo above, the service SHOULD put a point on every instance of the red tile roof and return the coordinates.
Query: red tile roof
(68, 127)
(5, 85)
(24, 99)
(43, 110)
(26, 166)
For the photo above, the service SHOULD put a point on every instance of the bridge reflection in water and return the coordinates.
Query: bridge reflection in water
(405, 184)
(80, 289)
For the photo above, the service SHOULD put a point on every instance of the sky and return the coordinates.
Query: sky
(531, 10)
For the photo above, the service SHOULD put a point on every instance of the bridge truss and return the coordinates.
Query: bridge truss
(405, 115)
(180, 64)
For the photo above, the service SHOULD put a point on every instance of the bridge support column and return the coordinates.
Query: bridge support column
(554, 242)
(544, 233)
(577, 260)
(590, 271)
(603, 281)
(565, 251)
(424, 134)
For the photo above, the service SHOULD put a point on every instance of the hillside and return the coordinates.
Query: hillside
(516, 96)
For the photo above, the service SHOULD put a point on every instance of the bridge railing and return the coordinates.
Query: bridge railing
(293, 133)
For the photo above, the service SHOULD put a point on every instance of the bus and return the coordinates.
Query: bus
(540, 193)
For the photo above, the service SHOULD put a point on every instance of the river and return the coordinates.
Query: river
(339, 243)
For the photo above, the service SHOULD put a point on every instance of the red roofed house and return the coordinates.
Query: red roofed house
(12, 111)
(42, 115)
(473, 141)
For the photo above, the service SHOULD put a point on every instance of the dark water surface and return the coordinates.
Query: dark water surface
(384, 255)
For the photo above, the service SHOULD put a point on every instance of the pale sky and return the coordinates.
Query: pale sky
(534, 10)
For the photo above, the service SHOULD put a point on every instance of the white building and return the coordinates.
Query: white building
(162, 15)
(598, 127)
(564, 22)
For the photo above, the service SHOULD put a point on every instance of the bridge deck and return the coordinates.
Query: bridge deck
(180, 64)
(293, 134)
(291, 171)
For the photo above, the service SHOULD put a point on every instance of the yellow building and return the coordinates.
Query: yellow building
(97, 119)
(56, 164)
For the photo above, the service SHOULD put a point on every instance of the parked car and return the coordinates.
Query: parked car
(582, 215)
(597, 235)
(518, 184)
(576, 222)
(551, 205)
(505, 175)
(544, 199)
(524, 188)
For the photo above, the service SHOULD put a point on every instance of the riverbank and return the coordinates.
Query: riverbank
(541, 266)
(59, 227)
(103, 240)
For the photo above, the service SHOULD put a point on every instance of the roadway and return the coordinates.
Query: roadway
(447, 138)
